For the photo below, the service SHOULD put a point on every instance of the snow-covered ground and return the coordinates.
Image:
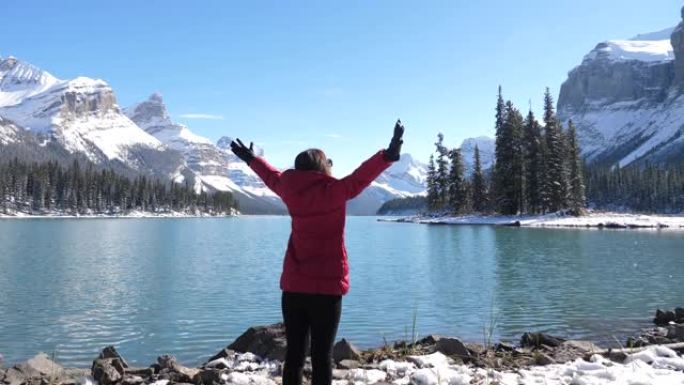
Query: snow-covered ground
(655, 365)
(592, 220)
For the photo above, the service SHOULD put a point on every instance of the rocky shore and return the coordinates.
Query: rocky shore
(255, 358)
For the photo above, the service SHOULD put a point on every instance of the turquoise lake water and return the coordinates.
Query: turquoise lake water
(189, 287)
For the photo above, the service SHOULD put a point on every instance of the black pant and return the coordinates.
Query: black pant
(319, 315)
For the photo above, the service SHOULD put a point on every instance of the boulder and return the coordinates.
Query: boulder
(676, 332)
(664, 317)
(475, 349)
(679, 316)
(543, 359)
(108, 371)
(34, 370)
(344, 350)
(208, 376)
(142, 372)
(224, 353)
(429, 340)
(265, 341)
(452, 347)
(536, 340)
(110, 352)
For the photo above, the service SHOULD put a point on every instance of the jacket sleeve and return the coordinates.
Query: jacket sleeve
(352, 185)
(269, 174)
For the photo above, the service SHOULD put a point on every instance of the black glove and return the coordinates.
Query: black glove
(393, 151)
(243, 152)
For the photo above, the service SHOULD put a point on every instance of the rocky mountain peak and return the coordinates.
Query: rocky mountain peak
(150, 112)
(677, 40)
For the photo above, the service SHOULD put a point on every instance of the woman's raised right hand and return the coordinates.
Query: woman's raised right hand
(393, 151)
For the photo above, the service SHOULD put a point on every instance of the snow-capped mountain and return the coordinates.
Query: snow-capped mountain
(406, 177)
(213, 166)
(487, 147)
(627, 99)
(82, 116)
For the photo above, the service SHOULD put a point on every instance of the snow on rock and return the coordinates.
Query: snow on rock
(433, 360)
(367, 376)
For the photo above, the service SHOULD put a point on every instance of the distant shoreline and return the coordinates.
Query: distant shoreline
(131, 215)
(608, 220)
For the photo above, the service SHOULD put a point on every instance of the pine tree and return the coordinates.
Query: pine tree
(458, 189)
(509, 168)
(532, 139)
(555, 159)
(442, 172)
(577, 189)
(479, 190)
(432, 190)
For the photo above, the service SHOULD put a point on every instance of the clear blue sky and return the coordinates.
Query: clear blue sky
(330, 74)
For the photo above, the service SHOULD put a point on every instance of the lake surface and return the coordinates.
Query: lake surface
(189, 287)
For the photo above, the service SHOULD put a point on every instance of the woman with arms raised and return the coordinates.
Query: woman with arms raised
(315, 271)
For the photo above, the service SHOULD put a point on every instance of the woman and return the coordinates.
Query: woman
(315, 271)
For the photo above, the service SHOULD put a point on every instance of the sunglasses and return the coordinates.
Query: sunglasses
(330, 162)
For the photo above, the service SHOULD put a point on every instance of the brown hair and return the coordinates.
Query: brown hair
(312, 159)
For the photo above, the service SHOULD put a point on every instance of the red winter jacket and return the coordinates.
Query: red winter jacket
(316, 258)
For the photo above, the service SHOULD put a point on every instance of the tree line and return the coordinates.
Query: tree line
(45, 187)
(537, 169)
(642, 188)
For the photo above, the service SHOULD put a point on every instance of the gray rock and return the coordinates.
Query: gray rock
(34, 370)
(349, 364)
(664, 317)
(208, 376)
(536, 340)
(224, 353)
(475, 349)
(543, 359)
(617, 356)
(132, 380)
(264, 341)
(429, 340)
(676, 332)
(679, 315)
(110, 352)
(344, 350)
(452, 347)
(142, 372)
(107, 371)
(581, 346)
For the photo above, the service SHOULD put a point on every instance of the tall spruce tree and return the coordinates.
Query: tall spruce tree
(509, 168)
(532, 140)
(479, 194)
(577, 196)
(457, 183)
(432, 189)
(555, 160)
(500, 170)
(442, 172)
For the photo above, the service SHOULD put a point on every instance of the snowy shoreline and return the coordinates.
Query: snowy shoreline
(256, 358)
(132, 214)
(555, 220)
